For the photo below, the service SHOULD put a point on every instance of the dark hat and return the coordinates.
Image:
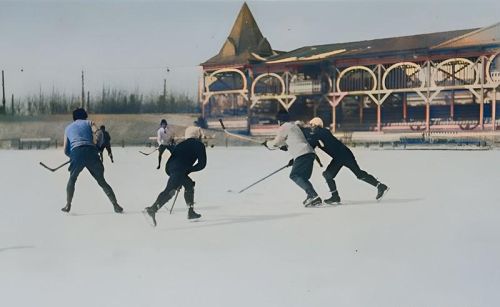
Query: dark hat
(79, 113)
(163, 121)
(102, 127)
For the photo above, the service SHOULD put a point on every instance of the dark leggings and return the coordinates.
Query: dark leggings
(87, 157)
(101, 150)
(301, 173)
(176, 181)
(336, 164)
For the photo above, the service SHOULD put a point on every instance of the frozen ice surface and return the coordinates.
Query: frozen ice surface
(432, 241)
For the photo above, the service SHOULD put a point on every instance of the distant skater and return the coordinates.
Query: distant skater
(290, 137)
(342, 156)
(188, 156)
(80, 148)
(165, 139)
(103, 141)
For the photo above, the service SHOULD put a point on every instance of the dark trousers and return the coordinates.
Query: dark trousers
(108, 149)
(87, 157)
(336, 164)
(161, 150)
(176, 180)
(301, 173)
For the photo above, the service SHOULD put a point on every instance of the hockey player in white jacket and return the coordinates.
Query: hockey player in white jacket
(290, 136)
(165, 139)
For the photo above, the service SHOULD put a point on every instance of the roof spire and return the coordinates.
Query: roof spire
(244, 39)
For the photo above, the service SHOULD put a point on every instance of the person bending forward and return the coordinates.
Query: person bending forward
(187, 157)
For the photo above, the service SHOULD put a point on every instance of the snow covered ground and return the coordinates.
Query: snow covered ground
(434, 240)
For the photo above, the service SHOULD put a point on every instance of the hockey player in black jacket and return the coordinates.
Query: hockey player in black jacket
(180, 164)
(342, 156)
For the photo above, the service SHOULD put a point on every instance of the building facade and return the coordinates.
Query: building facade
(444, 81)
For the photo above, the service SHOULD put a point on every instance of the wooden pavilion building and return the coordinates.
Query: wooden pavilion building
(443, 81)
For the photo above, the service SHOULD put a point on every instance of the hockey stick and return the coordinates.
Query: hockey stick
(262, 179)
(175, 198)
(147, 154)
(318, 160)
(242, 137)
(54, 169)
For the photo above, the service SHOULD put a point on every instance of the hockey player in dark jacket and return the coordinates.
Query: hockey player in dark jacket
(103, 141)
(180, 164)
(342, 156)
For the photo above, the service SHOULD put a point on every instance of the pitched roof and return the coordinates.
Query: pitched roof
(484, 36)
(244, 44)
(376, 46)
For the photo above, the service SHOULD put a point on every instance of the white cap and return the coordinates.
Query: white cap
(193, 132)
(316, 122)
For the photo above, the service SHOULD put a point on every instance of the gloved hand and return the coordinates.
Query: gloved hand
(284, 148)
(290, 163)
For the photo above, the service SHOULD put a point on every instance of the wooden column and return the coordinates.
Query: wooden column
(334, 119)
(452, 105)
(361, 110)
(379, 106)
(428, 99)
(334, 105)
(481, 101)
(405, 108)
(494, 110)
(481, 110)
(452, 101)
(427, 116)
(379, 118)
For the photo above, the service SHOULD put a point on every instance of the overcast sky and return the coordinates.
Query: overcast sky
(130, 44)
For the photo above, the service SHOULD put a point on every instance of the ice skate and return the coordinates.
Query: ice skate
(117, 208)
(382, 190)
(150, 214)
(334, 200)
(193, 215)
(313, 201)
(67, 208)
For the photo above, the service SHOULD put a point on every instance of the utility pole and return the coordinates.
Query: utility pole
(88, 100)
(165, 89)
(83, 91)
(12, 111)
(3, 93)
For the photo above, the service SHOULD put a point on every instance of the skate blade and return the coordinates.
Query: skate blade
(148, 218)
(325, 205)
(318, 205)
(332, 204)
(200, 219)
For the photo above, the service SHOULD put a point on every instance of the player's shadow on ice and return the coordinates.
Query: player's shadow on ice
(240, 220)
(3, 249)
(165, 209)
(381, 202)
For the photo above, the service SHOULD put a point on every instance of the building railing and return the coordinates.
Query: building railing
(495, 76)
(305, 87)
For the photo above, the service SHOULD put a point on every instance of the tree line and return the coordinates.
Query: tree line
(109, 101)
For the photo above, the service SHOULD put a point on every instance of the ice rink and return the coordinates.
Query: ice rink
(434, 240)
